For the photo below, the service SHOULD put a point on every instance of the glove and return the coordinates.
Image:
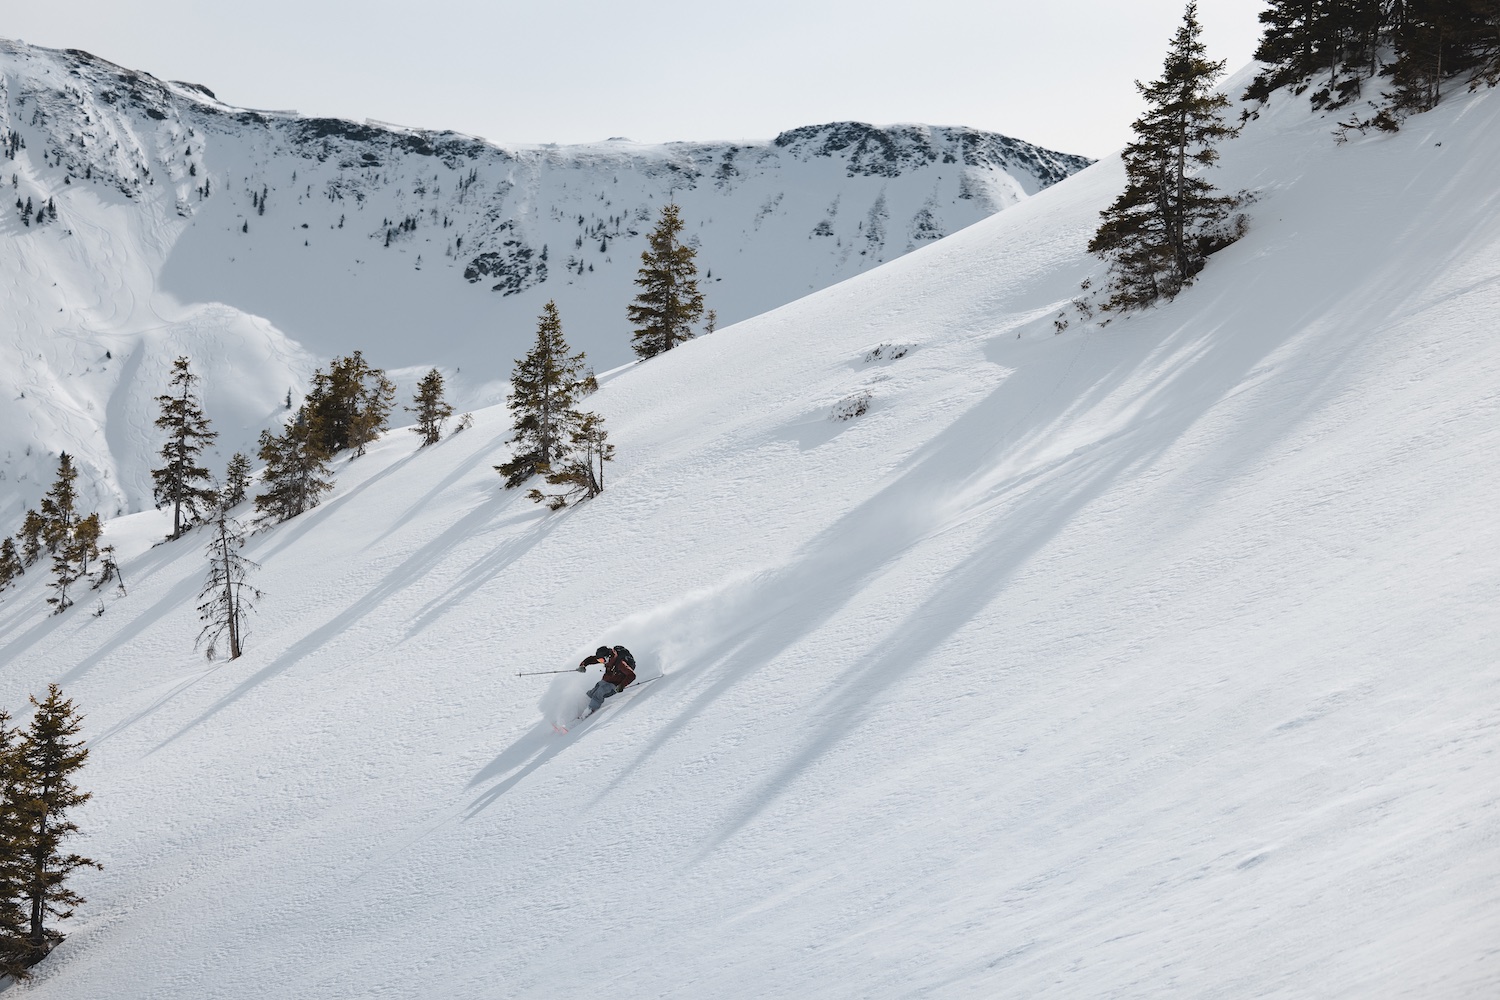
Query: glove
(582, 667)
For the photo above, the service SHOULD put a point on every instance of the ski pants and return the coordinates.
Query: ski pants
(599, 692)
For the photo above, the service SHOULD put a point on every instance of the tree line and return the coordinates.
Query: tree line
(346, 408)
(1335, 49)
(1158, 234)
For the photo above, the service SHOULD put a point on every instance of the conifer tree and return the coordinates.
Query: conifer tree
(349, 406)
(65, 573)
(669, 302)
(51, 756)
(431, 408)
(226, 596)
(296, 474)
(32, 530)
(545, 389)
(15, 921)
(109, 569)
(1159, 232)
(86, 542)
(182, 482)
(60, 506)
(236, 481)
(582, 471)
(59, 527)
(10, 562)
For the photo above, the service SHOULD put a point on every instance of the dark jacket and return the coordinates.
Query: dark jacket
(616, 669)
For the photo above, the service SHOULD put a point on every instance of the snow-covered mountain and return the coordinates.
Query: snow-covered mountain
(262, 243)
(1149, 660)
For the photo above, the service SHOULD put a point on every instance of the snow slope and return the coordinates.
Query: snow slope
(1148, 660)
(263, 243)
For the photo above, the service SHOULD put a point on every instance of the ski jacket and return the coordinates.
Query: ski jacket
(616, 669)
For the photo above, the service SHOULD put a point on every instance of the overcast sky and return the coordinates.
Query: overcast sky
(1056, 73)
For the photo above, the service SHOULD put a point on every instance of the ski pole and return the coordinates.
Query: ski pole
(538, 673)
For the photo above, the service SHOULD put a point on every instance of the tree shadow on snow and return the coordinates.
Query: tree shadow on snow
(410, 572)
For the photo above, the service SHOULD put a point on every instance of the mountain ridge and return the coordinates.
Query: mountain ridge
(206, 223)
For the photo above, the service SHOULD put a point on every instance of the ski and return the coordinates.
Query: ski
(628, 693)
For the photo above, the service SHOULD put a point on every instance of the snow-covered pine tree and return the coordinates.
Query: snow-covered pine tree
(545, 389)
(181, 481)
(296, 474)
(51, 756)
(14, 920)
(236, 481)
(669, 302)
(1159, 232)
(431, 408)
(224, 597)
(582, 471)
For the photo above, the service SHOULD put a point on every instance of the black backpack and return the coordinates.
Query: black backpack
(625, 655)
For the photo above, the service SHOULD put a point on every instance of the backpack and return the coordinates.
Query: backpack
(625, 655)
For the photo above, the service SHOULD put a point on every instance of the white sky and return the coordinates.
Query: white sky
(1056, 73)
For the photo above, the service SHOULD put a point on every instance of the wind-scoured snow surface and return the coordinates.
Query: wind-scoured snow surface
(262, 243)
(1151, 660)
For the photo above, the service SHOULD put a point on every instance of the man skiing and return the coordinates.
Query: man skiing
(619, 671)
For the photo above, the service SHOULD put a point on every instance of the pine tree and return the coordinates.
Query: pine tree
(582, 471)
(182, 482)
(32, 529)
(10, 562)
(296, 474)
(669, 302)
(109, 569)
(431, 408)
(86, 542)
(60, 506)
(59, 526)
(545, 389)
(236, 481)
(1159, 232)
(350, 405)
(65, 573)
(224, 597)
(51, 756)
(14, 919)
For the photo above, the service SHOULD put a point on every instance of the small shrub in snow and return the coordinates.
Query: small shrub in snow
(888, 352)
(851, 406)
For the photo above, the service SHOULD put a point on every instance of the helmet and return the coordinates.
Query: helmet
(604, 651)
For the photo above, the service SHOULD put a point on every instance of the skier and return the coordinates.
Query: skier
(619, 671)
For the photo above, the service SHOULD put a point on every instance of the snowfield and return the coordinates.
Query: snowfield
(1154, 659)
